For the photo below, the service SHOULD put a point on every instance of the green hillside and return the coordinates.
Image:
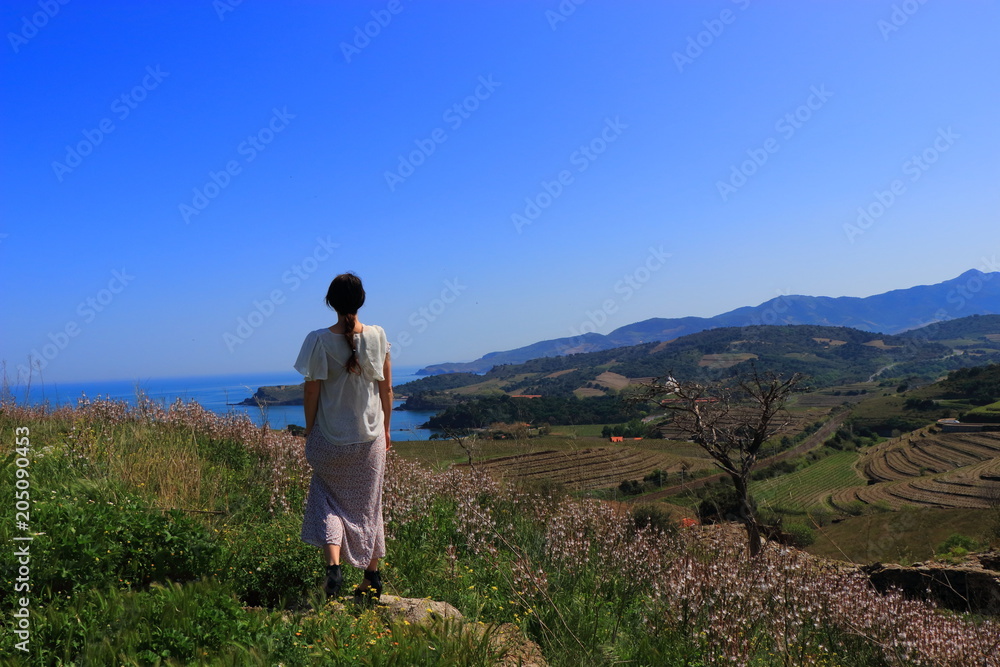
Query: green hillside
(828, 355)
(959, 393)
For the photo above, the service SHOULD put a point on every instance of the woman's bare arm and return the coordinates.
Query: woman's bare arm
(385, 393)
(311, 403)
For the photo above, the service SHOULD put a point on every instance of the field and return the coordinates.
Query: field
(834, 396)
(725, 359)
(579, 430)
(665, 454)
(925, 468)
(985, 413)
(906, 536)
(808, 488)
(925, 452)
(581, 470)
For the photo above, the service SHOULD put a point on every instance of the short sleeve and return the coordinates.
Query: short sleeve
(376, 348)
(312, 361)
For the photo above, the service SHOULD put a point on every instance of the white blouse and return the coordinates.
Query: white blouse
(350, 409)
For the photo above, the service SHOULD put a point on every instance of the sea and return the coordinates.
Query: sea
(218, 393)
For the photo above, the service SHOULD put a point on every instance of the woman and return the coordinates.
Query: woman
(348, 404)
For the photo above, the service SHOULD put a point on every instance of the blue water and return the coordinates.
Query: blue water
(217, 393)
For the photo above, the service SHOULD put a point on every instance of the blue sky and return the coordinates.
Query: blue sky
(496, 172)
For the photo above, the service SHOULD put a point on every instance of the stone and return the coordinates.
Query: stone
(416, 610)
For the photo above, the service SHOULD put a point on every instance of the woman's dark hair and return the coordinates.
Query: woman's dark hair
(345, 296)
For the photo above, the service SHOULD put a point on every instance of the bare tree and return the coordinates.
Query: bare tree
(731, 421)
(468, 443)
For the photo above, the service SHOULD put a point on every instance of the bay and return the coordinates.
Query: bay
(218, 393)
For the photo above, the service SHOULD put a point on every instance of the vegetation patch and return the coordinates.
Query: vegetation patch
(906, 536)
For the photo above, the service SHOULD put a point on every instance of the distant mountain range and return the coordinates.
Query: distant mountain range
(972, 293)
(828, 356)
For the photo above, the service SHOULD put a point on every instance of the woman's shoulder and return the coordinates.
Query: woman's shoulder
(374, 330)
(316, 333)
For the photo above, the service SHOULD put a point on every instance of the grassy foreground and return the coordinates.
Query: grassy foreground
(170, 537)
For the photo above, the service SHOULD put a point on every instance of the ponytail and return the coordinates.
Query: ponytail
(350, 322)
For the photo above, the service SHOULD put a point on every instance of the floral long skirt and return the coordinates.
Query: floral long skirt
(344, 505)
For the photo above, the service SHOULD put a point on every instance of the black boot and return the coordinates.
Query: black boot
(374, 590)
(334, 581)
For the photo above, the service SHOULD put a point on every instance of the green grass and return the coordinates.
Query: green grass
(580, 431)
(906, 536)
(989, 413)
(805, 489)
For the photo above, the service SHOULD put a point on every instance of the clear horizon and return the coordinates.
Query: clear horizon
(41, 382)
(182, 180)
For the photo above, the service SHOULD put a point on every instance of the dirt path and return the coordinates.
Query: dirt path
(814, 440)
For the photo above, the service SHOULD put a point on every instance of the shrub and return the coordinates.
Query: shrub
(957, 545)
(855, 508)
(181, 623)
(654, 515)
(631, 487)
(657, 477)
(799, 535)
(96, 535)
(268, 565)
(721, 504)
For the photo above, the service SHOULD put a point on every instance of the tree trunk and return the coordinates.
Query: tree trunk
(747, 515)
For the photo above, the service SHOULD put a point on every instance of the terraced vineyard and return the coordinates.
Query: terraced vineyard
(808, 488)
(960, 470)
(585, 469)
(922, 453)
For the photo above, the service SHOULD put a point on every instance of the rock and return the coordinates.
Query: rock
(507, 639)
(518, 650)
(416, 610)
(965, 588)
(990, 560)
